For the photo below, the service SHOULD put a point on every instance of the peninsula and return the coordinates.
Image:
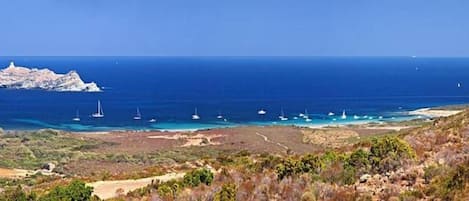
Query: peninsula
(17, 77)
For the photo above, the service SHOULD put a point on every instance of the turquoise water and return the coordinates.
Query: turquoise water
(170, 88)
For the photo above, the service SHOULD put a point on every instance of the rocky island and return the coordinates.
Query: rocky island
(17, 77)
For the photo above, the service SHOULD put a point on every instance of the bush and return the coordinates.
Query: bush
(359, 160)
(451, 183)
(310, 163)
(197, 177)
(75, 191)
(286, 168)
(387, 152)
(227, 193)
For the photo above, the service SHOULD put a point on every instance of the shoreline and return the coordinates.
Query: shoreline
(421, 113)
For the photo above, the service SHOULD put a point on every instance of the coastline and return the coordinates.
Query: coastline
(421, 113)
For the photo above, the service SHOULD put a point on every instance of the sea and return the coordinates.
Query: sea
(170, 89)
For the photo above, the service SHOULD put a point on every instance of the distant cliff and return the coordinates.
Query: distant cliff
(24, 78)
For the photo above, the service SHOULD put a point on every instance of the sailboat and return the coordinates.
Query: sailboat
(305, 115)
(99, 113)
(138, 116)
(261, 112)
(77, 117)
(343, 115)
(219, 116)
(282, 116)
(195, 116)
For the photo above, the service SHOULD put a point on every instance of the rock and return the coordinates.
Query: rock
(16, 77)
(364, 178)
(49, 167)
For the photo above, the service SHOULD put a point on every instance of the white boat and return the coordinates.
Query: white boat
(380, 117)
(152, 120)
(219, 116)
(195, 116)
(99, 113)
(356, 117)
(138, 116)
(343, 115)
(459, 85)
(301, 115)
(308, 120)
(330, 114)
(306, 116)
(77, 117)
(282, 116)
(295, 117)
(261, 112)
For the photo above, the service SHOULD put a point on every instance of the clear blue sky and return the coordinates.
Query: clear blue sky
(235, 27)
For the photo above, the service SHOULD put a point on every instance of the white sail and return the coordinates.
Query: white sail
(344, 116)
(77, 116)
(195, 116)
(138, 116)
(100, 112)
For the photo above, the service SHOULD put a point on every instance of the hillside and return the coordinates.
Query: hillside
(425, 162)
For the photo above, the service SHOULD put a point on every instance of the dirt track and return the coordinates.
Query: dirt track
(13, 173)
(108, 189)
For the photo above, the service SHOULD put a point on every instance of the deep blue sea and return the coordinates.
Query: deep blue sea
(170, 88)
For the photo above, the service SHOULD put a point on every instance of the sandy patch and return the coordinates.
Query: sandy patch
(109, 189)
(14, 173)
(191, 140)
(329, 137)
(434, 112)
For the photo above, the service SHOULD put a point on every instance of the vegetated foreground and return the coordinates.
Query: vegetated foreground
(425, 162)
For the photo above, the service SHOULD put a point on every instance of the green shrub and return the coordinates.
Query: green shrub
(227, 193)
(287, 167)
(450, 183)
(386, 153)
(310, 163)
(197, 177)
(75, 191)
(165, 191)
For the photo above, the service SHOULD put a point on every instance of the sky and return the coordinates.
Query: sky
(234, 28)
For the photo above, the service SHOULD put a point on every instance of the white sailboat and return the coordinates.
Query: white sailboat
(77, 116)
(261, 112)
(138, 116)
(219, 116)
(282, 116)
(195, 116)
(99, 113)
(343, 115)
(305, 115)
